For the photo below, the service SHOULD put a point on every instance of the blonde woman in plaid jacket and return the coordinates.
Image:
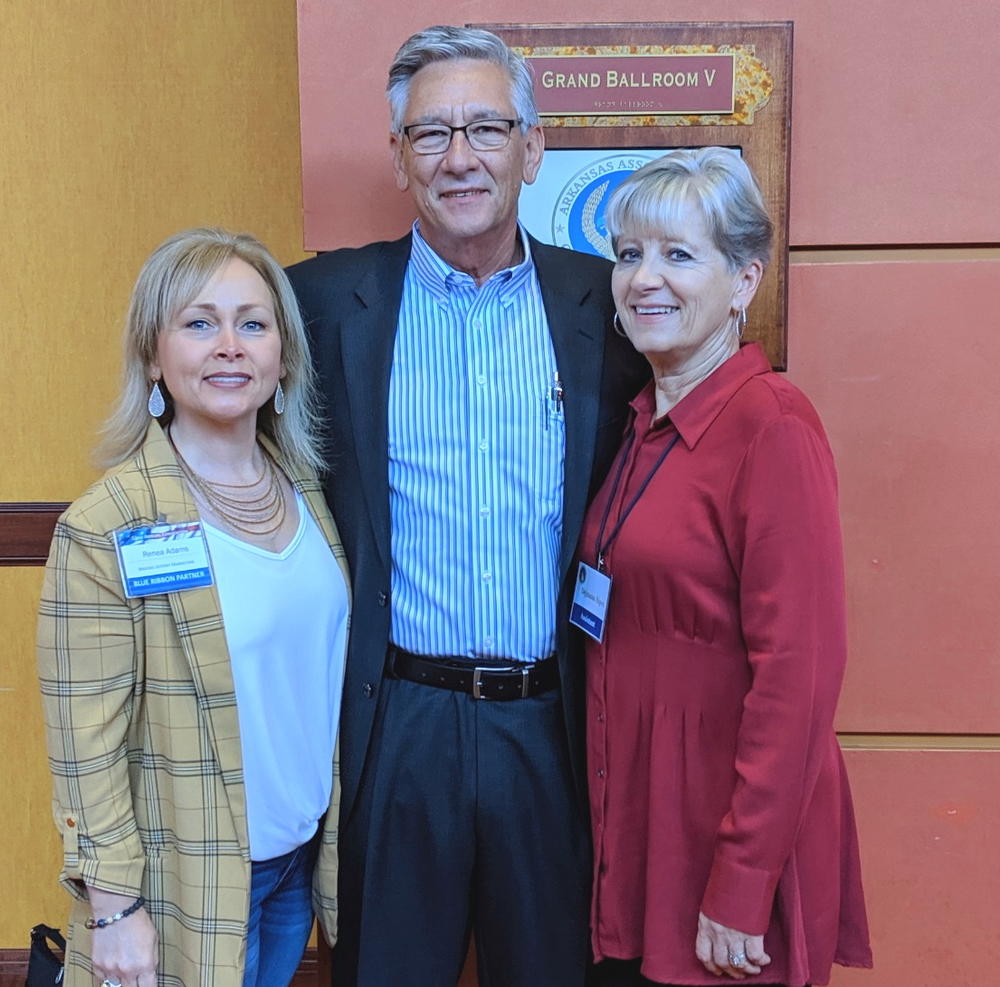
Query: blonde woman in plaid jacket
(191, 733)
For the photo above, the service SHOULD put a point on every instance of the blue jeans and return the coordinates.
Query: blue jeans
(280, 916)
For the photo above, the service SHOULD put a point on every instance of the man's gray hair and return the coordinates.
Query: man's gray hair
(445, 43)
(718, 180)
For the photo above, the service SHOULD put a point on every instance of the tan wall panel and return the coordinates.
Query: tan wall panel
(900, 359)
(30, 855)
(120, 124)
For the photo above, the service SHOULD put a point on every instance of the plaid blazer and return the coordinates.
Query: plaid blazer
(143, 735)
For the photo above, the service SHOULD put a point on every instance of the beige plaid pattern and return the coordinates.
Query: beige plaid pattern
(143, 734)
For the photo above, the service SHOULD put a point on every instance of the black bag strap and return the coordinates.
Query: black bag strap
(40, 933)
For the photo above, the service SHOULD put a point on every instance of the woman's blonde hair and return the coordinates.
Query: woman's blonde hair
(171, 278)
(718, 180)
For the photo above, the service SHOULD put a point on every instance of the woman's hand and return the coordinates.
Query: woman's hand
(727, 951)
(125, 951)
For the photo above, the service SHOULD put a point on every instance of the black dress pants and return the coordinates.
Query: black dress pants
(466, 819)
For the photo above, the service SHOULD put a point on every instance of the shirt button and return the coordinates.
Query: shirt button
(488, 642)
(477, 323)
(600, 772)
(383, 598)
(71, 822)
(484, 512)
(600, 717)
(368, 690)
(487, 576)
(484, 445)
(481, 380)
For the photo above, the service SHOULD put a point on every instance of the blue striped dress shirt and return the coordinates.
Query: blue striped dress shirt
(476, 450)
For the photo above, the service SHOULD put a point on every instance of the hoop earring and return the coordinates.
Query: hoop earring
(279, 400)
(156, 405)
(617, 326)
(741, 322)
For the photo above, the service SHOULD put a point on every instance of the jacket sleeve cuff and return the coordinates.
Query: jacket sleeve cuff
(120, 876)
(119, 869)
(740, 897)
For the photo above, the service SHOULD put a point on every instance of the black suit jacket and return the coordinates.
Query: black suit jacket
(350, 299)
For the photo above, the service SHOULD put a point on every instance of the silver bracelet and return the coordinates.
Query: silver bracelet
(100, 923)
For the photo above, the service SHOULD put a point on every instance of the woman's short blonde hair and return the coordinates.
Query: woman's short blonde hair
(718, 180)
(171, 278)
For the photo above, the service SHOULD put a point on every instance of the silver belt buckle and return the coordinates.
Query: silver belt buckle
(477, 681)
(477, 692)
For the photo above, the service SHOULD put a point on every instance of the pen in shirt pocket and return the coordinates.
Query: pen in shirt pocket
(554, 397)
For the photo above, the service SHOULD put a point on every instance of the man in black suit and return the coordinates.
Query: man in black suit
(475, 396)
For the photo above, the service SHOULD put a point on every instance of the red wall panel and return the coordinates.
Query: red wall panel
(928, 823)
(892, 134)
(900, 359)
(893, 142)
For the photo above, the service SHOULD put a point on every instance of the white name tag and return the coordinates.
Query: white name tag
(163, 558)
(590, 601)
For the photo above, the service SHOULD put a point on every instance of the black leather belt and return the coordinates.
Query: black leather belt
(479, 681)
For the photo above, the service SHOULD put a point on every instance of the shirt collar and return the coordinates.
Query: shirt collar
(439, 278)
(693, 414)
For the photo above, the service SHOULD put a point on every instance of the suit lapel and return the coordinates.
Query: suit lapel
(197, 616)
(577, 324)
(368, 335)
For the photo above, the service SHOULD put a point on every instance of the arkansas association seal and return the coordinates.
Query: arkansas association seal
(578, 216)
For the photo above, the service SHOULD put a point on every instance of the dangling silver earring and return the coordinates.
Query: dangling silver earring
(279, 400)
(741, 323)
(617, 326)
(156, 404)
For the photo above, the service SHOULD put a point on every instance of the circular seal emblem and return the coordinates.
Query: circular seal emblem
(578, 217)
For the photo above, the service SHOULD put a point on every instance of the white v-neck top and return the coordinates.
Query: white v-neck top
(285, 616)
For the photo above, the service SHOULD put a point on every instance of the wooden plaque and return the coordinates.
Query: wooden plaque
(628, 87)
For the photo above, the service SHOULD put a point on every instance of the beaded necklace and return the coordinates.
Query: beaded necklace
(261, 515)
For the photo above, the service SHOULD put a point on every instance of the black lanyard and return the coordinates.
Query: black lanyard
(603, 545)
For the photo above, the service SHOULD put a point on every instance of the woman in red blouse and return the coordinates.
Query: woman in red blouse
(724, 838)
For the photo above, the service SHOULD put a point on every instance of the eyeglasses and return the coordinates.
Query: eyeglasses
(482, 135)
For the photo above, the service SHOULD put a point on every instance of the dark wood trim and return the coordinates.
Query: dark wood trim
(14, 968)
(26, 531)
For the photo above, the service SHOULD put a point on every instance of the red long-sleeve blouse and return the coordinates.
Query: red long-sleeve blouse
(716, 780)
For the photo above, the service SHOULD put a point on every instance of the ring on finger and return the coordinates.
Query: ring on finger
(110, 983)
(737, 959)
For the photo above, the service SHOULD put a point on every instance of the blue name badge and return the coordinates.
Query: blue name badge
(163, 558)
(590, 601)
